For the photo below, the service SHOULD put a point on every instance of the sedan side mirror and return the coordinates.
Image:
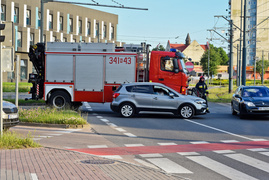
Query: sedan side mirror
(237, 96)
(171, 95)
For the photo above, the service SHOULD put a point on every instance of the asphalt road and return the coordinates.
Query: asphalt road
(213, 146)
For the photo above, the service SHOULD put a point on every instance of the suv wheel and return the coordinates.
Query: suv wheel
(186, 111)
(127, 110)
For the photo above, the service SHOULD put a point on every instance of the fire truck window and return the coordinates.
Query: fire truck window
(167, 65)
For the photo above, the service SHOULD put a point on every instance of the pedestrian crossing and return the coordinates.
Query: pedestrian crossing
(256, 158)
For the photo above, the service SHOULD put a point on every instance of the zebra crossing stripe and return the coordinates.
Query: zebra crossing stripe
(169, 166)
(220, 168)
(250, 161)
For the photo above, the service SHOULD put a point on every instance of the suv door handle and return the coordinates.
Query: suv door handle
(155, 98)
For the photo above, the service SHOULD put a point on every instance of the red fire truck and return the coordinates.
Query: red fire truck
(70, 73)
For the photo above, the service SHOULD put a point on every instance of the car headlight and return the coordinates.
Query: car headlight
(200, 101)
(249, 104)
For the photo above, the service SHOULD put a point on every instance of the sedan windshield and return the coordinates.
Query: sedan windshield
(255, 92)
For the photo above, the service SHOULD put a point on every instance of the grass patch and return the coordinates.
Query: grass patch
(220, 94)
(12, 140)
(30, 101)
(51, 116)
(10, 87)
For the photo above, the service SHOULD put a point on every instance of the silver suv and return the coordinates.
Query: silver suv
(131, 98)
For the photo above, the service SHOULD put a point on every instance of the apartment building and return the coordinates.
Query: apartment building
(257, 28)
(62, 22)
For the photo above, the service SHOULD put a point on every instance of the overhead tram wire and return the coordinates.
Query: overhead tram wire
(102, 5)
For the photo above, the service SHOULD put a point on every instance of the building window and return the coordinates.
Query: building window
(74, 40)
(88, 28)
(54, 39)
(39, 19)
(104, 31)
(50, 21)
(16, 15)
(3, 12)
(23, 69)
(112, 32)
(97, 29)
(19, 39)
(61, 25)
(64, 39)
(10, 75)
(28, 17)
(71, 24)
(80, 26)
(44, 38)
(32, 39)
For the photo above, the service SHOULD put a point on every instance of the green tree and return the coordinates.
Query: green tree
(223, 55)
(159, 48)
(215, 60)
(259, 67)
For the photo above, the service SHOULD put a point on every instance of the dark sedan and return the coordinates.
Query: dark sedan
(250, 100)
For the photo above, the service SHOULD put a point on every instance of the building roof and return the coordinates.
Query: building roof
(182, 47)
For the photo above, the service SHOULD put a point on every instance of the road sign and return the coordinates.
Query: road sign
(189, 66)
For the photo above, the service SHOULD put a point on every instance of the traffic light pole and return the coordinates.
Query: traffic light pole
(231, 58)
(244, 49)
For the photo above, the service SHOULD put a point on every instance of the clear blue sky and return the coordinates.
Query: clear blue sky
(166, 19)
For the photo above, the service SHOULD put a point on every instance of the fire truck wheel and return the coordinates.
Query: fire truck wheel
(186, 111)
(127, 110)
(60, 100)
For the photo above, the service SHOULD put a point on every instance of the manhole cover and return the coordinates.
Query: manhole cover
(98, 161)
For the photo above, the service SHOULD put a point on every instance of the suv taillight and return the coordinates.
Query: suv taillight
(115, 95)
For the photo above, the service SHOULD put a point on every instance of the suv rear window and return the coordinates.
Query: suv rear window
(139, 89)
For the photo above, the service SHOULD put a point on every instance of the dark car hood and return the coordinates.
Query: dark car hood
(258, 100)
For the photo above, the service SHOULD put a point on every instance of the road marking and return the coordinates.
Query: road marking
(257, 149)
(265, 153)
(233, 134)
(176, 148)
(150, 155)
(130, 135)
(97, 146)
(55, 134)
(229, 141)
(112, 125)
(37, 139)
(220, 168)
(120, 130)
(224, 152)
(259, 139)
(169, 166)
(99, 117)
(45, 136)
(33, 176)
(94, 114)
(112, 157)
(250, 161)
(166, 144)
(199, 142)
(104, 120)
(188, 153)
(146, 163)
(133, 145)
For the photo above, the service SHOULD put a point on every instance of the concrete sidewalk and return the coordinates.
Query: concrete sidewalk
(50, 163)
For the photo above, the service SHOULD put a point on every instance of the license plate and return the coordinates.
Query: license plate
(264, 108)
(12, 116)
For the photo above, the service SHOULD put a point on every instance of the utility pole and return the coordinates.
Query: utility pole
(244, 55)
(240, 47)
(237, 67)
(231, 58)
(17, 80)
(208, 61)
(262, 66)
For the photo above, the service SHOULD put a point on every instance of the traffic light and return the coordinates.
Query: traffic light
(2, 27)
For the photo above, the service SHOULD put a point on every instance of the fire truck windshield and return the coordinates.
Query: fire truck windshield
(185, 70)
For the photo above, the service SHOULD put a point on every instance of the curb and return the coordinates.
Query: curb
(65, 126)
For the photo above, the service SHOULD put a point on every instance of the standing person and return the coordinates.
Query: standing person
(203, 92)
